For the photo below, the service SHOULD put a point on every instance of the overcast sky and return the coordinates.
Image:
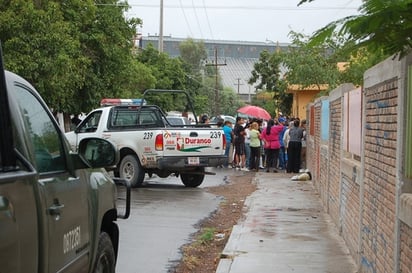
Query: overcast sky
(239, 20)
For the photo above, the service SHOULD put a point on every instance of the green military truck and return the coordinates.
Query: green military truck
(57, 208)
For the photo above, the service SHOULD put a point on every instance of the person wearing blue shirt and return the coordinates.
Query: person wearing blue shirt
(282, 152)
(228, 130)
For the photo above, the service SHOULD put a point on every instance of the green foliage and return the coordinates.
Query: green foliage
(74, 52)
(168, 74)
(383, 27)
(357, 63)
(309, 65)
(266, 72)
(39, 45)
(77, 52)
(207, 235)
(201, 81)
(193, 54)
(267, 75)
(230, 102)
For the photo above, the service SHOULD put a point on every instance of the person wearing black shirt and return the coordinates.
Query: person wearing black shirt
(239, 143)
(294, 147)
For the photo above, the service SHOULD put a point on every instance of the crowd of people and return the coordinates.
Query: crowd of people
(278, 144)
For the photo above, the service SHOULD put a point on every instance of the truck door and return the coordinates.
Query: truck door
(18, 221)
(63, 203)
(87, 128)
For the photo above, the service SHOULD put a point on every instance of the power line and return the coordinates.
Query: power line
(207, 19)
(251, 7)
(197, 19)
(187, 22)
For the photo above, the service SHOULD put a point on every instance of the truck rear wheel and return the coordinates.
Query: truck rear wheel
(192, 180)
(131, 170)
(105, 259)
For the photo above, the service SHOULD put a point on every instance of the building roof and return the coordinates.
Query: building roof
(239, 57)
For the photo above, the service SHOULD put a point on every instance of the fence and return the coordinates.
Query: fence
(359, 148)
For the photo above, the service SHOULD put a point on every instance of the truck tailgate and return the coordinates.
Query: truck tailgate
(194, 141)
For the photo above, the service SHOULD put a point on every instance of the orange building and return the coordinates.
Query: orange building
(303, 96)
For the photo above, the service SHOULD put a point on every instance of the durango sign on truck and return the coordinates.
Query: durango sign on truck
(150, 144)
(57, 208)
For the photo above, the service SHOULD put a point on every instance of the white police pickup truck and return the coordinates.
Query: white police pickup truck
(149, 144)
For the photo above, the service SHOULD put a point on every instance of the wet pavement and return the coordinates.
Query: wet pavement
(164, 215)
(285, 230)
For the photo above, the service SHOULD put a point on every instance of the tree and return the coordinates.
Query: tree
(168, 74)
(383, 26)
(309, 65)
(230, 101)
(193, 54)
(39, 45)
(201, 81)
(357, 62)
(317, 65)
(267, 75)
(107, 43)
(75, 52)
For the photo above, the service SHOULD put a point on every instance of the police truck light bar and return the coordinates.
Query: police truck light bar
(121, 102)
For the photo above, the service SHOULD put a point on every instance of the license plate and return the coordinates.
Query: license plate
(193, 160)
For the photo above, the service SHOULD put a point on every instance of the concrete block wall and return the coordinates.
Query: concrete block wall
(367, 197)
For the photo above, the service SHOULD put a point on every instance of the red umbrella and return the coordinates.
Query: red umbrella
(254, 111)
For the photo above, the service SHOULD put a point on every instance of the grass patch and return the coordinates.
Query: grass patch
(207, 235)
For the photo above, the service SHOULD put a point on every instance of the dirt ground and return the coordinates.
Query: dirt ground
(203, 254)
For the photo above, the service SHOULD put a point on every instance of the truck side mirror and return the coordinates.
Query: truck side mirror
(98, 152)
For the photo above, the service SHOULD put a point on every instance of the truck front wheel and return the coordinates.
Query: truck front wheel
(105, 259)
(192, 180)
(131, 170)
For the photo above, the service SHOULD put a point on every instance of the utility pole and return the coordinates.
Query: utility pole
(238, 85)
(161, 28)
(215, 64)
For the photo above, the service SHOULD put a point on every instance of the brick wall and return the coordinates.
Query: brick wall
(366, 195)
(405, 248)
(316, 142)
(324, 176)
(335, 143)
(378, 215)
(349, 213)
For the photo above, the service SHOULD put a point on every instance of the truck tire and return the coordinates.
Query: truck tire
(105, 259)
(192, 180)
(131, 170)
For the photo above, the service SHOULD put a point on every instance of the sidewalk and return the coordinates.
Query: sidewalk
(285, 230)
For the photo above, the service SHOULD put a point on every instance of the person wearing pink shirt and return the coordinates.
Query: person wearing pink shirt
(270, 137)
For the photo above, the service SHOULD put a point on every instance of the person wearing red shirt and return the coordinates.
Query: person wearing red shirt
(270, 137)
